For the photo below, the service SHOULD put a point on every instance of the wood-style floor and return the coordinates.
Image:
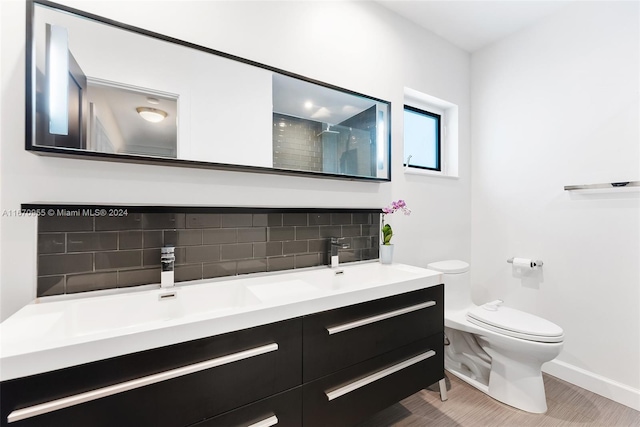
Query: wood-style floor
(467, 407)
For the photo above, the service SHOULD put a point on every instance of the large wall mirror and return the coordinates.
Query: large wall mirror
(100, 89)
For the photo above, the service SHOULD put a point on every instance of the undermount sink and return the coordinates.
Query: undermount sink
(282, 290)
(92, 315)
(358, 276)
(139, 308)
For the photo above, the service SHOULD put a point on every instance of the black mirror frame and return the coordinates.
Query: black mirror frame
(129, 158)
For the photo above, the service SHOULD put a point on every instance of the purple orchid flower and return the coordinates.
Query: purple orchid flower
(387, 232)
(397, 206)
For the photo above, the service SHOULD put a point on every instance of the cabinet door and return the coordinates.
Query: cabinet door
(336, 339)
(281, 410)
(170, 386)
(351, 395)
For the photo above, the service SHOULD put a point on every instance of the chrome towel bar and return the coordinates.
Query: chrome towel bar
(622, 184)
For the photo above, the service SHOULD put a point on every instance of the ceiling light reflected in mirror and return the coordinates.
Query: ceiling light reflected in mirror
(152, 115)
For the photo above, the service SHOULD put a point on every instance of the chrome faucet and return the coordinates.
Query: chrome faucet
(167, 260)
(334, 245)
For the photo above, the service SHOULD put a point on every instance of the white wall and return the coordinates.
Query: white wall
(554, 105)
(356, 45)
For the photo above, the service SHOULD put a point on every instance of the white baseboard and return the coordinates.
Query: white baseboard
(595, 383)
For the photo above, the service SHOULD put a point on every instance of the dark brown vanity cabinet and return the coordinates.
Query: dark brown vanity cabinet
(333, 368)
(172, 386)
(360, 359)
(281, 410)
(342, 337)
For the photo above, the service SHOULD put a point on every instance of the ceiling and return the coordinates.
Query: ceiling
(474, 24)
(306, 100)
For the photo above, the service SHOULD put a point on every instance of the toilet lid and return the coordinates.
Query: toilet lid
(451, 266)
(516, 323)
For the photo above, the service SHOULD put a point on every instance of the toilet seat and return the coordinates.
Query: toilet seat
(452, 266)
(516, 323)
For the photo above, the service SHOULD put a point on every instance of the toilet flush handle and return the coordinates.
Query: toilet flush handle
(493, 305)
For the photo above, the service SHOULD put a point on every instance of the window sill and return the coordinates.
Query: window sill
(435, 174)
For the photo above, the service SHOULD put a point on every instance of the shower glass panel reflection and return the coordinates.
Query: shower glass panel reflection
(302, 144)
(329, 131)
(346, 150)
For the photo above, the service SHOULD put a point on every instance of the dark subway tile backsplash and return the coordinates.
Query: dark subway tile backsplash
(307, 233)
(274, 248)
(86, 242)
(307, 260)
(130, 240)
(260, 220)
(351, 230)
(274, 220)
(223, 235)
(281, 263)
(237, 220)
(117, 223)
(51, 243)
(64, 263)
(295, 247)
(183, 237)
(238, 251)
(294, 219)
(117, 259)
(340, 218)
(320, 218)
(281, 233)
(143, 276)
(255, 234)
(327, 231)
(83, 253)
(204, 220)
(200, 254)
(252, 266)
(65, 223)
(50, 285)
(185, 273)
(91, 281)
(153, 239)
(219, 269)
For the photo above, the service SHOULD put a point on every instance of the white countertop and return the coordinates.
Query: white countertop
(56, 333)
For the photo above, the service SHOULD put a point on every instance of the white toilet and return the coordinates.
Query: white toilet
(497, 349)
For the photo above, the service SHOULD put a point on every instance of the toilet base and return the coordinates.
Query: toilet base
(517, 384)
(527, 396)
(507, 370)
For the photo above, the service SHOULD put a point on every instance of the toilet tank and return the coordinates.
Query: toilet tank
(457, 283)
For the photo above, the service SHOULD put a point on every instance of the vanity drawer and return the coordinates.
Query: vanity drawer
(281, 410)
(336, 339)
(354, 394)
(172, 386)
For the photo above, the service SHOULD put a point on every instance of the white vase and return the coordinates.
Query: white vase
(386, 254)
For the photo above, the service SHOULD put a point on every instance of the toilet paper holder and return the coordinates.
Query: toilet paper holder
(536, 263)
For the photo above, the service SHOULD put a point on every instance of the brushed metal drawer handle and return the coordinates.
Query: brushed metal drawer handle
(267, 422)
(378, 375)
(65, 402)
(379, 317)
